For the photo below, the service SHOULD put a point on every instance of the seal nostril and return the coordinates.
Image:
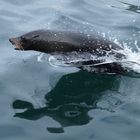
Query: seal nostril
(11, 40)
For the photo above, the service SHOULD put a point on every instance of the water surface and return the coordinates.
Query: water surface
(40, 101)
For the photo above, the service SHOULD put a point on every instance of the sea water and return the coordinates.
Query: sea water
(39, 101)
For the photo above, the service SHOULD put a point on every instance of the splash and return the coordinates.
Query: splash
(132, 60)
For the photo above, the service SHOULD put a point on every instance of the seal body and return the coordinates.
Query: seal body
(62, 42)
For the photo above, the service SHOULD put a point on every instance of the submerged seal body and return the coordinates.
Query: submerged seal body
(61, 42)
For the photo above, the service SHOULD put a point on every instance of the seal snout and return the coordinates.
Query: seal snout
(16, 42)
(12, 40)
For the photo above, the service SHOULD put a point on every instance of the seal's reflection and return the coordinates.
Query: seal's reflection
(130, 7)
(70, 100)
(133, 8)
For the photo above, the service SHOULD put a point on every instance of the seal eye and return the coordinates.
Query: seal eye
(35, 36)
(22, 38)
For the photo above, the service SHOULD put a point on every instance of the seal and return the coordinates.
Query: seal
(62, 42)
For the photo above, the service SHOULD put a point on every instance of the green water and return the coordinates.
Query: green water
(39, 101)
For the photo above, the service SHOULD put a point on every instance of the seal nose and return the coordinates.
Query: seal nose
(12, 40)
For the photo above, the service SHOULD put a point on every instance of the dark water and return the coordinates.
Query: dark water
(39, 101)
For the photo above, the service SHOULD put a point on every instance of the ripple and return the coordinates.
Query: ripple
(8, 131)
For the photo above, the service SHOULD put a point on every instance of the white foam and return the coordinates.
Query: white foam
(132, 60)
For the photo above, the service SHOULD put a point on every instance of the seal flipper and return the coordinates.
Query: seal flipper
(84, 63)
(99, 66)
(112, 68)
